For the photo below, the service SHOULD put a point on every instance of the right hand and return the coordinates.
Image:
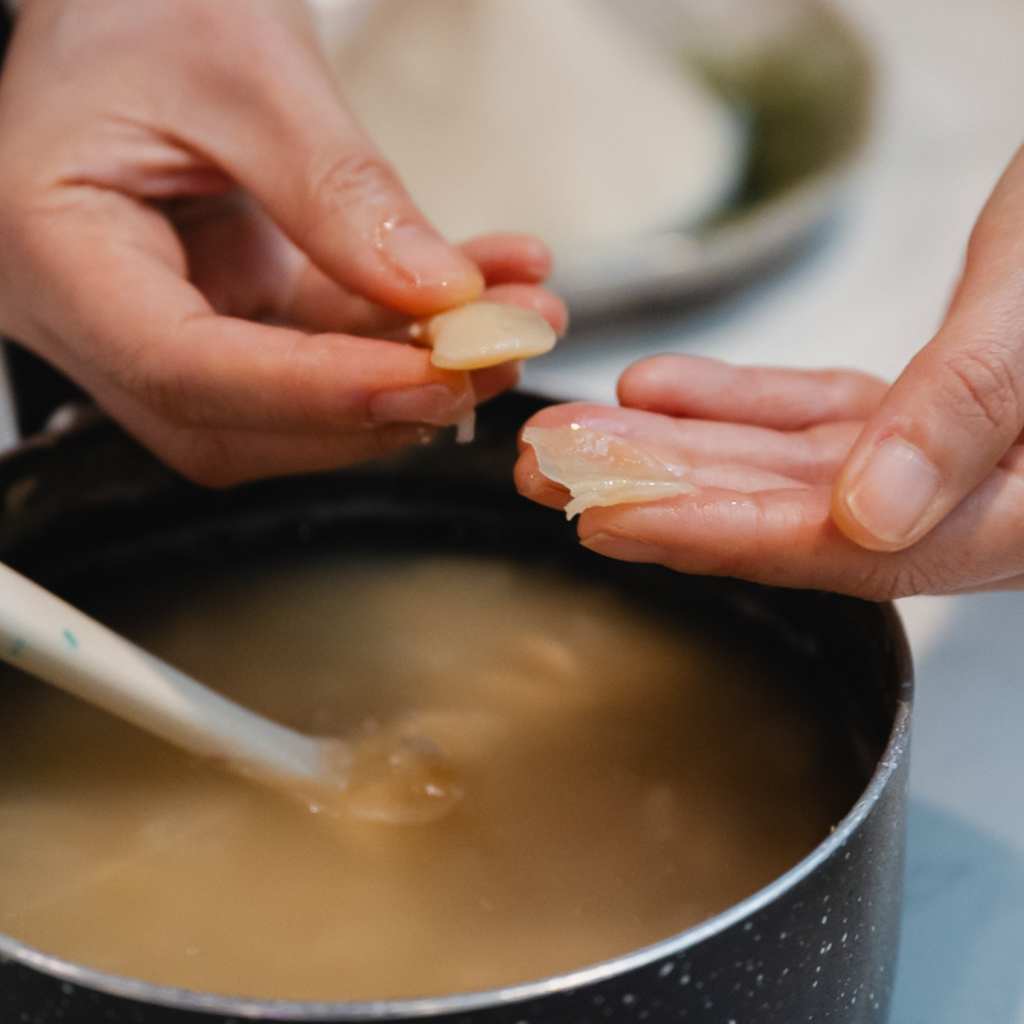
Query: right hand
(197, 231)
(767, 448)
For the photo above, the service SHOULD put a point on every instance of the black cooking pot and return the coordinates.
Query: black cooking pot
(87, 510)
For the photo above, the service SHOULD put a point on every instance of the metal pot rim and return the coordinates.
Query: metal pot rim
(290, 1010)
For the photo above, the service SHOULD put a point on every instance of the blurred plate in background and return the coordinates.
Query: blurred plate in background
(571, 121)
(495, 121)
(801, 78)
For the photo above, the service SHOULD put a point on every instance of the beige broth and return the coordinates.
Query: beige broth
(620, 781)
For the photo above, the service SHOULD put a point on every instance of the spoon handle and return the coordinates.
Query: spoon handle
(45, 636)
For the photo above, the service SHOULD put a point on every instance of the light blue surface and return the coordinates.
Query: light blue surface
(961, 959)
(962, 956)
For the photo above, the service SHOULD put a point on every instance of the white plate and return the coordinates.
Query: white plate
(801, 77)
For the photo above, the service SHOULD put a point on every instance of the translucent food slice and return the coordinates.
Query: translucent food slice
(390, 775)
(401, 777)
(603, 469)
(482, 334)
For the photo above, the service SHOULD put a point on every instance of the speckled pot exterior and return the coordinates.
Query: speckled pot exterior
(816, 946)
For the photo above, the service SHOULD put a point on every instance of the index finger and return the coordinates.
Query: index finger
(765, 396)
(154, 335)
(786, 537)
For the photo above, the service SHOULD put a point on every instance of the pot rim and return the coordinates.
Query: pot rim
(895, 752)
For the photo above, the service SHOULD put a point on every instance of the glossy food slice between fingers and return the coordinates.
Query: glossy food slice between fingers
(483, 334)
(601, 469)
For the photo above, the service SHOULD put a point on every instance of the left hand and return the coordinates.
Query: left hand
(774, 444)
(196, 230)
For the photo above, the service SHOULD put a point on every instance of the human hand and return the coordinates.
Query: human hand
(198, 232)
(769, 449)
(786, 495)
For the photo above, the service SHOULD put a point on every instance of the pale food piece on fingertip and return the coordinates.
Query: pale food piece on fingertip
(483, 334)
(602, 469)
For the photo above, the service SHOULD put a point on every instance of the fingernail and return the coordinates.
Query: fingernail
(432, 403)
(427, 261)
(624, 549)
(894, 491)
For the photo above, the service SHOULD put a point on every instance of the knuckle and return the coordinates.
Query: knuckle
(878, 582)
(888, 579)
(305, 382)
(174, 389)
(981, 385)
(163, 389)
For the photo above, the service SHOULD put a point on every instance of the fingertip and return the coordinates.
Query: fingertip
(888, 495)
(634, 382)
(531, 255)
(700, 387)
(540, 300)
(846, 521)
(429, 274)
(347, 209)
(531, 483)
(643, 384)
(507, 257)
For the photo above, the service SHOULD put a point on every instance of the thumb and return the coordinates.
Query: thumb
(289, 140)
(958, 406)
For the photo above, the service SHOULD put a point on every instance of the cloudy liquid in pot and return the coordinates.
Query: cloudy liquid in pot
(617, 780)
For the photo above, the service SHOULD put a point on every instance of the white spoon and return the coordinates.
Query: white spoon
(45, 636)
